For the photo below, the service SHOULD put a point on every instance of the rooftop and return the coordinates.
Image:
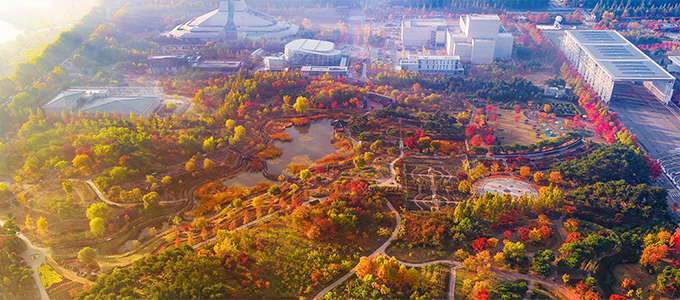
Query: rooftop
(314, 46)
(484, 17)
(451, 57)
(675, 59)
(218, 63)
(617, 56)
(122, 100)
(425, 22)
(169, 56)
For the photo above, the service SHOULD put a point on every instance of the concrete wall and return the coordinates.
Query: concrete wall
(482, 51)
(503, 48)
(481, 28)
(417, 36)
(464, 50)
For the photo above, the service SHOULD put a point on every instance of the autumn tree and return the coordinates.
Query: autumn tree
(539, 176)
(68, 187)
(42, 225)
(305, 174)
(87, 255)
(525, 171)
(97, 226)
(29, 222)
(199, 223)
(190, 165)
(208, 164)
(514, 252)
(98, 210)
(151, 200)
(301, 105)
(464, 186)
(555, 177)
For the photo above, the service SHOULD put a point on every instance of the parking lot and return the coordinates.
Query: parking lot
(657, 128)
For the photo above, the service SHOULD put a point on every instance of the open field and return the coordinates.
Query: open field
(514, 133)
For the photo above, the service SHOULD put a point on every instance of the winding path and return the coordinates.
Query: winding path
(381, 250)
(34, 257)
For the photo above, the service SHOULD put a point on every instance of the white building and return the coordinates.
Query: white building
(605, 58)
(479, 39)
(675, 64)
(312, 52)
(433, 64)
(122, 100)
(423, 32)
(231, 21)
(275, 63)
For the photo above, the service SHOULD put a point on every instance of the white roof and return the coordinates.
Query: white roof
(425, 22)
(618, 57)
(313, 46)
(451, 57)
(249, 23)
(483, 17)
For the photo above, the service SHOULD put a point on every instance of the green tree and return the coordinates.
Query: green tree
(376, 146)
(514, 252)
(97, 227)
(305, 174)
(301, 105)
(541, 262)
(359, 162)
(274, 190)
(464, 186)
(209, 145)
(199, 223)
(98, 210)
(68, 187)
(87, 255)
(151, 200)
(368, 156)
(10, 227)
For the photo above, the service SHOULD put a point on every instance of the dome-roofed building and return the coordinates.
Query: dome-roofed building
(231, 21)
(312, 52)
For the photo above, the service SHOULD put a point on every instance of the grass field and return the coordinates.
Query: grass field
(520, 132)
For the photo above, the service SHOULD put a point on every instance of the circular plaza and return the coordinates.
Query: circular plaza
(505, 185)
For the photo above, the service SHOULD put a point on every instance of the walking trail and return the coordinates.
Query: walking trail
(381, 250)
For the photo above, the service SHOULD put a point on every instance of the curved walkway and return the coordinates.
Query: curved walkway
(381, 250)
(34, 257)
(101, 197)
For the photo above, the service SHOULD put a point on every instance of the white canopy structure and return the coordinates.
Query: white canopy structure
(605, 58)
(232, 20)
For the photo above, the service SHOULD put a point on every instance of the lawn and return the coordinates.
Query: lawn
(514, 133)
(634, 272)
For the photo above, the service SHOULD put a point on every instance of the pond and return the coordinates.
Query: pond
(246, 179)
(310, 142)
